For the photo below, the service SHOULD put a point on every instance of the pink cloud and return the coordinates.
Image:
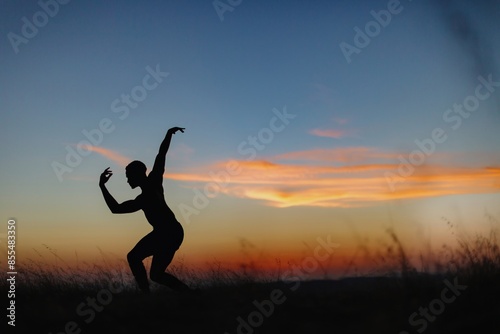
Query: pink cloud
(332, 133)
(348, 155)
(181, 151)
(341, 121)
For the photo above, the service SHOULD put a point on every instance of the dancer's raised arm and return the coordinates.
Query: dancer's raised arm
(159, 165)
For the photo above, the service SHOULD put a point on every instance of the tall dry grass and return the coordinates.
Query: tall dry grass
(475, 259)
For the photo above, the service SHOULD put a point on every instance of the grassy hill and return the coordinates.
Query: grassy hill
(461, 296)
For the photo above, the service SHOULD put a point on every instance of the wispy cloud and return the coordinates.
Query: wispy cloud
(332, 133)
(284, 185)
(341, 177)
(344, 155)
(337, 132)
(341, 121)
(111, 155)
(181, 151)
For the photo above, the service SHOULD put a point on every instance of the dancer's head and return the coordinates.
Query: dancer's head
(136, 173)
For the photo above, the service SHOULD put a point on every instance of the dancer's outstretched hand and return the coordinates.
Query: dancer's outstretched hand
(105, 176)
(175, 129)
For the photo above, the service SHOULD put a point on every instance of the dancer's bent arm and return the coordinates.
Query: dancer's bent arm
(113, 205)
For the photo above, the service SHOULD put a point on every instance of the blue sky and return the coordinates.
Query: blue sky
(225, 78)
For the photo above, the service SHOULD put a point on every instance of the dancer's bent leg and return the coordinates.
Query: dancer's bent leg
(142, 250)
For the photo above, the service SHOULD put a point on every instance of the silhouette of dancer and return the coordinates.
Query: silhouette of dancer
(167, 234)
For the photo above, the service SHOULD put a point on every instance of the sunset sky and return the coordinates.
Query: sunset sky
(298, 127)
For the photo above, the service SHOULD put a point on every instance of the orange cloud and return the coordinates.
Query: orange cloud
(347, 186)
(111, 155)
(358, 180)
(285, 185)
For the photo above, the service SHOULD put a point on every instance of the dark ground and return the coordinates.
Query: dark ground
(350, 305)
